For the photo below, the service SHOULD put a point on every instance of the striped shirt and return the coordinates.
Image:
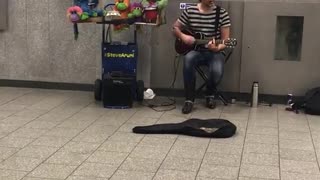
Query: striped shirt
(204, 22)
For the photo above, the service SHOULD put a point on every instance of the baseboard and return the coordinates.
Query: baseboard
(46, 85)
(244, 97)
(265, 98)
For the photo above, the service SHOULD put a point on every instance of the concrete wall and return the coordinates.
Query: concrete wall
(38, 45)
(258, 61)
(3, 14)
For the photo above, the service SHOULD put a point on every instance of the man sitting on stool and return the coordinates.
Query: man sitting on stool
(201, 18)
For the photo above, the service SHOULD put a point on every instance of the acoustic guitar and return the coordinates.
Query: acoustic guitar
(200, 43)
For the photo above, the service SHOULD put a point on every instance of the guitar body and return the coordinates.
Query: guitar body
(182, 48)
(201, 41)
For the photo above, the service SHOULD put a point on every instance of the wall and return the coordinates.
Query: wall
(258, 61)
(38, 45)
(3, 14)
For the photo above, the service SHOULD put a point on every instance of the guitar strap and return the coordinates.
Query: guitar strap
(216, 26)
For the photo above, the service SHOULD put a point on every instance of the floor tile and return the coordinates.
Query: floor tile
(67, 158)
(28, 133)
(260, 159)
(298, 176)
(298, 155)
(151, 152)
(11, 174)
(62, 132)
(260, 148)
(20, 163)
(296, 144)
(115, 158)
(52, 171)
(225, 148)
(40, 152)
(132, 175)
(80, 147)
(118, 146)
(182, 164)
(51, 141)
(141, 164)
(261, 139)
(95, 170)
(222, 159)
(216, 171)
(299, 166)
(173, 174)
(255, 171)
(15, 142)
(85, 178)
(67, 135)
(6, 152)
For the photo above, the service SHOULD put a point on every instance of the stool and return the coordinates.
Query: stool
(216, 92)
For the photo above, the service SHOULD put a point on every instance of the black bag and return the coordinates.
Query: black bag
(214, 128)
(310, 103)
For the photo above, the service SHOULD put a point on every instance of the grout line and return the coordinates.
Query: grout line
(64, 102)
(279, 156)
(314, 148)
(42, 162)
(244, 141)
(168, 150)
(201, 163)
(102, 144)
(134, 146)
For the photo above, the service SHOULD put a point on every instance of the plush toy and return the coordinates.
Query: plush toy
(82, 10)
(136, 11)
(153, 10)
(89, 8)
(122, 6)
(74, 13)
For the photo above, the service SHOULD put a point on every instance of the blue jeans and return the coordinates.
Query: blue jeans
(215, 63)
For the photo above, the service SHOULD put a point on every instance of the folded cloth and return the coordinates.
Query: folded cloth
(214, 128)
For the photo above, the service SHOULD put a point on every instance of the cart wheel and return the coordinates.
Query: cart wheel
(97, 89)
(140, 90)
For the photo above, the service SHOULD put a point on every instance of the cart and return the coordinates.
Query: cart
(118, 86)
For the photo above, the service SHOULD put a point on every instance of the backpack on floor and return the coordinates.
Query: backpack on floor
(310, 102)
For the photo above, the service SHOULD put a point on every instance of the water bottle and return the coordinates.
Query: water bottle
(255, 94)
(289, 99)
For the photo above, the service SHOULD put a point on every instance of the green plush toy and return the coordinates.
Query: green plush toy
(121, 6)
(135, 11)
(161, 4)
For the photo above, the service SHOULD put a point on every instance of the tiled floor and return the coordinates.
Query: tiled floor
(48, 134)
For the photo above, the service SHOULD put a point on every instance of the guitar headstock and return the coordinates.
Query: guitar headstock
(230, 42)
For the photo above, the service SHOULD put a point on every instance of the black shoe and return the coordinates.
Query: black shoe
(187, 108)
(210, 103)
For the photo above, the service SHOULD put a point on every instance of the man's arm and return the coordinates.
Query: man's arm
(187, 39)
(177, 26)
(225, 34)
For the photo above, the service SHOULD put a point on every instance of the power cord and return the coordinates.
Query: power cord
(172, 101)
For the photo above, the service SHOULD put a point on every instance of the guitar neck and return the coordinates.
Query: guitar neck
(206, 41)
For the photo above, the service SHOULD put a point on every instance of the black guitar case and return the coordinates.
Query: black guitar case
(213, 128)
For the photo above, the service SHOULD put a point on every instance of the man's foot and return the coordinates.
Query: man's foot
(210, 103)
(187, 108)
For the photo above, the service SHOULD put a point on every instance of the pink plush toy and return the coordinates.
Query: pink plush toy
(74, 13)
